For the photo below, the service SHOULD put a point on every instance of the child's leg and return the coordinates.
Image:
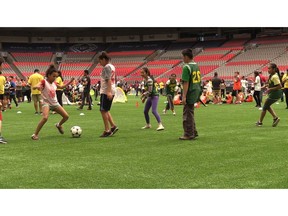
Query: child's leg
(60, 110)
(45, 115)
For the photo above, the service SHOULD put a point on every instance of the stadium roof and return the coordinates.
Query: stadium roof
(118, 31)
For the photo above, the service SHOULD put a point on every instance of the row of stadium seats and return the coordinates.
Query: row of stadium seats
(32, 57)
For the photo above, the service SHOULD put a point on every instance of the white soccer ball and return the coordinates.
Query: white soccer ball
(76, 131)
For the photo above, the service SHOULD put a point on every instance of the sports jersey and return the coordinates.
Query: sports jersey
(49, 93)
(12, 88)
(59, 82)
(237, 83)
(274, 81)
(148, 83)
(107, 73)
(34, 79)
(2, 84)
(191, 74)
(170, 87)
(285, 77)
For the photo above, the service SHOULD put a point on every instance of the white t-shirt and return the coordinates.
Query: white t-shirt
(108, 72)
(48, 91)
(257, 84)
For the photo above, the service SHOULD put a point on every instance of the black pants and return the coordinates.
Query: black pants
(86, 95)
(59, 97)
(256, 96)
(14, 99)
(286, 96)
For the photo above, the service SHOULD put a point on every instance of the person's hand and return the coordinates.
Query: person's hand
(109, 96)
(184, 100)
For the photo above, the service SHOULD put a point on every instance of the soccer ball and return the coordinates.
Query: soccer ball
(76, 131)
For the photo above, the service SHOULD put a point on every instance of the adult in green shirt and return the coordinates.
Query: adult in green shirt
(191, 79)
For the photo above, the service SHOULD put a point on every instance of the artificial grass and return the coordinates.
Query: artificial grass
(230, 152)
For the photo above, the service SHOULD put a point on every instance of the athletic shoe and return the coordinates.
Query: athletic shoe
(186, 138)
(2, 140)
(89, 108)
(79, 108)
(146, 126)
(259, 124)
(106, 134)
(160, 127)
(114, 129)
(275, 122)
(174, 113)
(164, 111)
(60, 128)
(260, 108)
(34, 137)
(36, 113)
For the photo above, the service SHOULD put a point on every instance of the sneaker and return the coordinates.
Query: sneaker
(174, 113)
(106, 134)
(79, 108)
(2, 140)
(186, 138)
(114, 129)
(160, 127)
(34, 137)
(164, 111)
(146, 126)
(260, 108)
(259, 124)
(60, 128)
(275, 122)
(36, 113)
(89, 108)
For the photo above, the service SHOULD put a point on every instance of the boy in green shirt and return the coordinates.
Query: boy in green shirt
(191, 78)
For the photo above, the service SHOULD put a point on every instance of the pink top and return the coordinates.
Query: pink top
(49, 93)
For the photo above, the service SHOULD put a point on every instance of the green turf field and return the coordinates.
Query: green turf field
(230, 152)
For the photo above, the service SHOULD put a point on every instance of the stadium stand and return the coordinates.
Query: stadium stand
(162, 57)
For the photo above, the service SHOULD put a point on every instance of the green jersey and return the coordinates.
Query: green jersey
(191, 74)
(149, 84)
(170, 87)
(274, 81)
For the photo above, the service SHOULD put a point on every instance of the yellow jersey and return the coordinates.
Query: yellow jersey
(33, 81)
(2, 83)
(59, 82)
(285, 78)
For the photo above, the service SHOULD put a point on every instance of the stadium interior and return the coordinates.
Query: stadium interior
(73, 50)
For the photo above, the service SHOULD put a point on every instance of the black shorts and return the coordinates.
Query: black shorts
(1, 96)
(105, 103)
(235, 93)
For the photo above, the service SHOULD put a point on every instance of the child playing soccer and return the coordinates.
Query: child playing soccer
(48, 88)
(274, 94)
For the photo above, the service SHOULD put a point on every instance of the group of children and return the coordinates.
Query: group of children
(48, 88)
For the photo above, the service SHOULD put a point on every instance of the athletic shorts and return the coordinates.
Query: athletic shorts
(105, 103)
(268, 103)
(51, 107)
(37, 97)
(1, 96)
(235, 93)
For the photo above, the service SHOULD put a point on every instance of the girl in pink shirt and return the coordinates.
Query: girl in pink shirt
(48, 88)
